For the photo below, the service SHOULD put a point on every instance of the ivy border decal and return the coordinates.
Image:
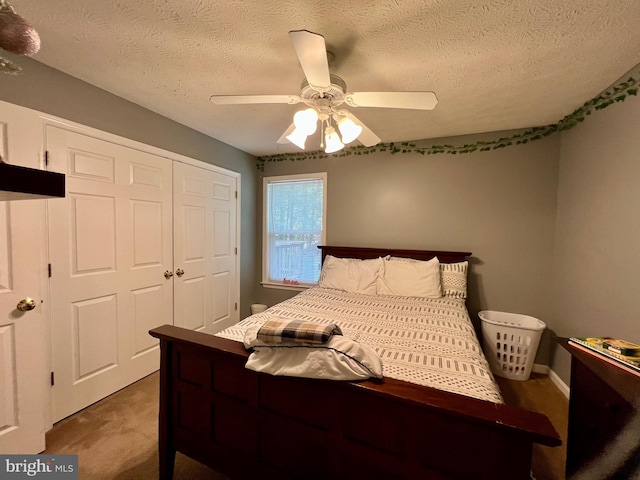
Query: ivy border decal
(617, 93)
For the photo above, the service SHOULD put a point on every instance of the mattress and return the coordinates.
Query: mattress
(428, 342)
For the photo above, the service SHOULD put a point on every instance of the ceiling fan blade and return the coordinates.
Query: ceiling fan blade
(412, 100)
(366, 137)
(288, 131)
(248, 99)
(312, 53)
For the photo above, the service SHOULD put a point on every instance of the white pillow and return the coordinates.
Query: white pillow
(410, 279)
(350, 274)
(454, 279)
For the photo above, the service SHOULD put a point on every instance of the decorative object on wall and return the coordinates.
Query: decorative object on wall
(324, 93)
(617, 93)
(16, 36)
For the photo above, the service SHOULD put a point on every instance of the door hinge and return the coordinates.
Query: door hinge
(46, 158)
(236, 250)
(49, 270)
(236, 193)
(236, 305)
(52, 380)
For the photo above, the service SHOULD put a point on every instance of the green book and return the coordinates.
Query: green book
(622, 347)
(597, 345)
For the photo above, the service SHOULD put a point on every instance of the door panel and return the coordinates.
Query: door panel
(221, 227)
(93, 235)
(8, 403)
(23, 368)
(194, 234)
(224, 251)
(147, 233)
(147, 308)
(222, 301)
(191, 245)
(204, 248)
(191, 305)
(94, 336)
(110, 244)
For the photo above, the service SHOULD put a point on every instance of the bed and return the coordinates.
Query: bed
(420, 425)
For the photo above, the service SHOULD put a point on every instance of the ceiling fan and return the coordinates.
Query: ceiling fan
(324, 93)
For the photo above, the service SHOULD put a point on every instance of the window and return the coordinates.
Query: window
(294, 226)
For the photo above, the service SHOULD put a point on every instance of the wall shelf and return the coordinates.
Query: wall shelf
(22, 183)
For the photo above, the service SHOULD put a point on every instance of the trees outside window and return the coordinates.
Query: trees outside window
(294, 226)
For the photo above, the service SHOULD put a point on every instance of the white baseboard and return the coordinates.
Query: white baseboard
(553, 376)
(563, 387)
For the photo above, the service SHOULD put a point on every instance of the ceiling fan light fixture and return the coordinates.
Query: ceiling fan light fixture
(323, 92)
(349, 130)
(298, 137)
(332, 140)
(306, 121)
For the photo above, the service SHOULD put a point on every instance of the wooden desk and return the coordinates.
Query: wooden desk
(604, 399)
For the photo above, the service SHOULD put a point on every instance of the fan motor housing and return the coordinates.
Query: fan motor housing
(334, 94)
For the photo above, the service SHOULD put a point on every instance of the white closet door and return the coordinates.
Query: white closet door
(110, 243)
(225, 252)
(22, 333)
(204, 209)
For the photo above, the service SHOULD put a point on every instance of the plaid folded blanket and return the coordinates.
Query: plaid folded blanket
(281, 330)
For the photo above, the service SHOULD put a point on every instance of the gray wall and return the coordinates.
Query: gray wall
(50, 91)
(500, 205)
(597, 258)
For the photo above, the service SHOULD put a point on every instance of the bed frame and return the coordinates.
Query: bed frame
(254, 425)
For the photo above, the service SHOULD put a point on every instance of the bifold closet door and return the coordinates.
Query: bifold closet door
(204, 214)
(110, 244)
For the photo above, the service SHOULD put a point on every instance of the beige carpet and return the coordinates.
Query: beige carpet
(539, 394)
(116, 438)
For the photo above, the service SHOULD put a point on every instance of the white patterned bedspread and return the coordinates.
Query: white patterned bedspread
(424, 341)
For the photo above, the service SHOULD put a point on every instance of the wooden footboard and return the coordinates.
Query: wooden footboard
(252, 425)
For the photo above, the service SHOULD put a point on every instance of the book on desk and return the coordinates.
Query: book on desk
(607, 348)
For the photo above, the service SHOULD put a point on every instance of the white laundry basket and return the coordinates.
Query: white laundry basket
(510, 342)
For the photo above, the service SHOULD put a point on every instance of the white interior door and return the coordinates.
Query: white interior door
(23, 352)
(205, 253)
(110, 245)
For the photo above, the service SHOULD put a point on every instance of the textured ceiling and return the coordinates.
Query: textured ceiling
(494, 64)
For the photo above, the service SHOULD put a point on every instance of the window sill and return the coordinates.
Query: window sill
(282, 286)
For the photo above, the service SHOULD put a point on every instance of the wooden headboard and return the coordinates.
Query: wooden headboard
(364, 253)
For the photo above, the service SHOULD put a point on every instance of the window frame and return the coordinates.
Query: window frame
(266, 181)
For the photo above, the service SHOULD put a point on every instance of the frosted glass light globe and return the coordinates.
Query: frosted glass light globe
(306, 121)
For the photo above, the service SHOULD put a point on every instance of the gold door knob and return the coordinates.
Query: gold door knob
(168, 274)
(26, 304)
(179, 272)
